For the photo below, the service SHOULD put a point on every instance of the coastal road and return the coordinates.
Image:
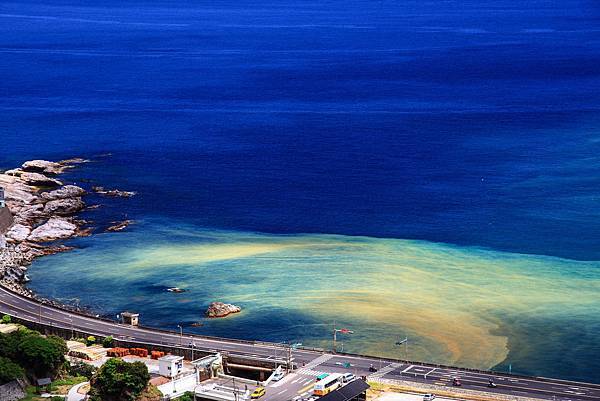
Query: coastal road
(310, 363)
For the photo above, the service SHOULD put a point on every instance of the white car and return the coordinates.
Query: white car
(429, 397)
(277, 376)
(348, 377)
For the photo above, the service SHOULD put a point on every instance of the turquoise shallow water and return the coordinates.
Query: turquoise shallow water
(457, 305)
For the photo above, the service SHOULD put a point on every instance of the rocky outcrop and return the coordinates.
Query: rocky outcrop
(64, 207)
(18, 233)
(53, 229)
(66, 192)
(39, 217)
(39, 180)
(43, 166)
(220, 309)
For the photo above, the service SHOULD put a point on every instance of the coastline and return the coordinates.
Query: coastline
(41, 212)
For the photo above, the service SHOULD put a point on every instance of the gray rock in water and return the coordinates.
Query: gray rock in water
(39, 180)
(220, 309)
(53, 229)
(64, 207)
(68, 191)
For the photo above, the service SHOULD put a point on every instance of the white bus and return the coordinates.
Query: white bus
(328, 384)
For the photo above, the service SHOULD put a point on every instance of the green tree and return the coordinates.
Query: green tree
(119, 380)
(91, 340)
(187, 396)
(108, 342)
(10, 371)
(42, 356)
(82, 369)
(6, 319)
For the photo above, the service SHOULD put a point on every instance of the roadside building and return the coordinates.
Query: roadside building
(170, 365)
(130, 318)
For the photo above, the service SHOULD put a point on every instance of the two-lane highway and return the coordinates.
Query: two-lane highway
(309, 362)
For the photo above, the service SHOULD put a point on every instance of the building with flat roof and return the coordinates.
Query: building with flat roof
(130, 318)
(170, 365)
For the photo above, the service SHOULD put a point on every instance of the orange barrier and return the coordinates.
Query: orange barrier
(117, 352)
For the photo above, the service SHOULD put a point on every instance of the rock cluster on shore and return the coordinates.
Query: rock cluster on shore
(43, 211)
(220, 309)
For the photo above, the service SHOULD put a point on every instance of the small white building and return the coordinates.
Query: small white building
(170, 365)
(2, 203)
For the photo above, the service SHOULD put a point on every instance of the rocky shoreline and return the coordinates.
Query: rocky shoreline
(43, 213)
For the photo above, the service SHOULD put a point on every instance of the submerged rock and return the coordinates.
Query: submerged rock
(113, 192)
(220, 309)
(53, 229)
(119, 226)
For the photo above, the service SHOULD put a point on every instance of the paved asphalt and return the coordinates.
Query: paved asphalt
(310, 363)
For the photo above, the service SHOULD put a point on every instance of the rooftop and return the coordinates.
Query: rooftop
(171, 358)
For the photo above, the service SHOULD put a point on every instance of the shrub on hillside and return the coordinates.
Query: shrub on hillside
(108, 342)
(6, 319)
(41, 356)
(82, 369)
(117, 380)
(10, 371)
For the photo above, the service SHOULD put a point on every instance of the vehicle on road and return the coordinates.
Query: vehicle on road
(277, 376)
(491, 384)
(456, 382)
(328, 384)
(429, 397)
(348, 377)
(259, 392)
(372, 368)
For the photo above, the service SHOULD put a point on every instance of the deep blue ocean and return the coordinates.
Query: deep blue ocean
(469, 123)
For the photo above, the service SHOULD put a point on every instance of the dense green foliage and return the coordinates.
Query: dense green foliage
(82, 369)
(187, 396)
(6, 319)
(108, 342)
(91, 340)
(10, 371)
(39, 356)
(42, 356)
(119, 380)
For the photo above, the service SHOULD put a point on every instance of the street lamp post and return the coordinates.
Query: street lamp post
(180, 334)
(405, 342)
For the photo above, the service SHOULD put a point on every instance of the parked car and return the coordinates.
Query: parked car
(259, 392)
(347, 377)
(278, 376)
(429, 397)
